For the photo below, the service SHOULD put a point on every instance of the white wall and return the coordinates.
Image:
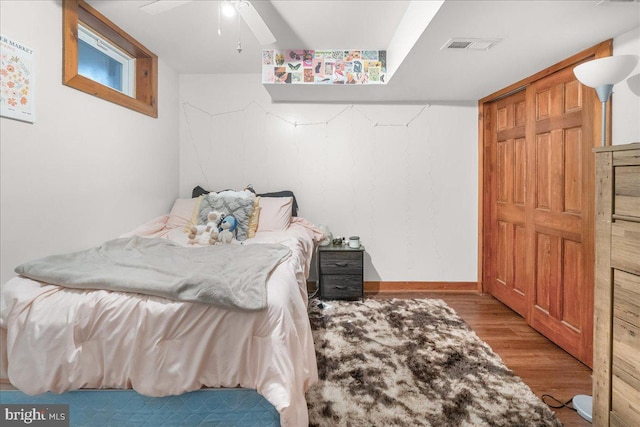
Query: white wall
(87, 170)
(625, 122)
(409, 192)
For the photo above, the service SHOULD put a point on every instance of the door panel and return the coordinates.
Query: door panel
(503, 250)
(543, 175)
(572, 281)
(573, 171)
(544, 271)
(543, 104)
(505, 171)
(520, 156)
(520, 255)
(572, 96)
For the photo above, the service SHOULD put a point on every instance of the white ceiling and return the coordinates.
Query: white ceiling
(535, 34)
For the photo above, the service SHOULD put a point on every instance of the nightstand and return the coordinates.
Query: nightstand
(341, 272)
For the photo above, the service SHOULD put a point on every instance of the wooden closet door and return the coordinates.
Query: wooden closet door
(539, 190)
(560, 211)
(507, 274)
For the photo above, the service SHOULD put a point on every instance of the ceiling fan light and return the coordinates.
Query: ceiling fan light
(605, 71)
(228, 9)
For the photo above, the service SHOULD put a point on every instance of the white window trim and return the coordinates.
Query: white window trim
(128, 63)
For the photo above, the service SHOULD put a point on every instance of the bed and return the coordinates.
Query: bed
(57, 339)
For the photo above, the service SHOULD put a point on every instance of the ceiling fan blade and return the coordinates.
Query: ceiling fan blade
(256, 24)
(160, 6)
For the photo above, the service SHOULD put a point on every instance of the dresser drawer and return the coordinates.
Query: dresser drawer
(626, 347)
(627, 191)
(627, 157)
(625, 401)
(615, 421)
(626, 297)
(341, 262)
(338, 286)
(625, 246)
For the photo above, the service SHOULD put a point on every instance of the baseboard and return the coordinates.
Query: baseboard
(447, 287)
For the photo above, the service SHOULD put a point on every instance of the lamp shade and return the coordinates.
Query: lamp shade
(605, 71)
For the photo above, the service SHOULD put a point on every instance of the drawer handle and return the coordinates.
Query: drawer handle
(341, 264)
(341, 287)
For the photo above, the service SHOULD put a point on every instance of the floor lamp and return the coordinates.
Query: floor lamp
(601, 74)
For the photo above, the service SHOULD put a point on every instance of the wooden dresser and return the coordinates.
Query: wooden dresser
(616, 361)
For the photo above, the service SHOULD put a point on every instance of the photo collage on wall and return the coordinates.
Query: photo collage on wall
(324, 66)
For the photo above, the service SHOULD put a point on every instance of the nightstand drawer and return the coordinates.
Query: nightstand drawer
(342, 262)
(339, 286)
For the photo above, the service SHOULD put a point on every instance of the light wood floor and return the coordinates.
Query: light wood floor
(543, 366)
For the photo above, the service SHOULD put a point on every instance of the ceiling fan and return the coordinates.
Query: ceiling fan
(243, 7)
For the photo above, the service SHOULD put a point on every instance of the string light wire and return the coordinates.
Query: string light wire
(296, 123)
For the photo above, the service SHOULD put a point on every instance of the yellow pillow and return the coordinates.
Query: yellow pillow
(253, 219)
(194, 215)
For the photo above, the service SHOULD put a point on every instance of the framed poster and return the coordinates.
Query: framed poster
(17, 95)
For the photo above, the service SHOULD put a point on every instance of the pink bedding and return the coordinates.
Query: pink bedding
(61, 339)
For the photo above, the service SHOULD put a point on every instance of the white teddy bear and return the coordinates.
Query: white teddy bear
(207, 234)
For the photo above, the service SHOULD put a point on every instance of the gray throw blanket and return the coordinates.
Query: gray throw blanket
(229, 276)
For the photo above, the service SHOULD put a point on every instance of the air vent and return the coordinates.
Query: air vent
(458, 45)
(470, 44)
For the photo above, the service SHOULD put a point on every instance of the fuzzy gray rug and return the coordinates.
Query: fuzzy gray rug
(412, 363)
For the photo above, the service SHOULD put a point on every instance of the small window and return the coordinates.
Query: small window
(101, 59)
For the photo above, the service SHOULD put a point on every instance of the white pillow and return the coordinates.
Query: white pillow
(275, 213)
(182, 213)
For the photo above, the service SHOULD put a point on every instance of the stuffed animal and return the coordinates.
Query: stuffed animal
(207, 234)
(227, 229)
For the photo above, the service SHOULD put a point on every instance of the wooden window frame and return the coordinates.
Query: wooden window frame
(146, 74)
